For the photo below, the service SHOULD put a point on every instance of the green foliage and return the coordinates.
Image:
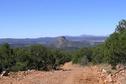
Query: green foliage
(58, 58)
(113, 51)
(19, 66)
(82, 56)
(6, 56)
(116, 47)
(21, 59)
(98, 55)
(33, 57)
(38, 57)
(121, 26)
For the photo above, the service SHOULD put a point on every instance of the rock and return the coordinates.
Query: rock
(109, 78)
(104, 71)
(4, 73)
(61, 42)
(120, 66)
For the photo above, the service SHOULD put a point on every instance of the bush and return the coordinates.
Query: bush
(82, 56)
(33, 57)
(113, 51)
(116, 47)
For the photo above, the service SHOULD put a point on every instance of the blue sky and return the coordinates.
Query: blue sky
(43, 18)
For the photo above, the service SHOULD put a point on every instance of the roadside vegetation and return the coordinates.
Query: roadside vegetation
(112, 51)
(35, 57)
(38, 57)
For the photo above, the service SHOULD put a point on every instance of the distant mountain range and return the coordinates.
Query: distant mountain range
(57, 42)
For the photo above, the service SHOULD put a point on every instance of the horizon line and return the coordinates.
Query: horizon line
(54, 36)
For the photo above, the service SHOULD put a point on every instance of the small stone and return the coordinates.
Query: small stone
(4, 73)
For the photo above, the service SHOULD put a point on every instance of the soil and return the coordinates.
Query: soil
(70, 74)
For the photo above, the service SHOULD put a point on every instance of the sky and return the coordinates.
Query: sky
(50, 18)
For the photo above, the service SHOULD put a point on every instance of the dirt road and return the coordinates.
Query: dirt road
(72, 74)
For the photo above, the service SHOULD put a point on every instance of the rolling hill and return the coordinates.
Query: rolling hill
(57, 42)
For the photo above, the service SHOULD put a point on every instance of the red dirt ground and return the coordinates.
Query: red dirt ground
(71, 74)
